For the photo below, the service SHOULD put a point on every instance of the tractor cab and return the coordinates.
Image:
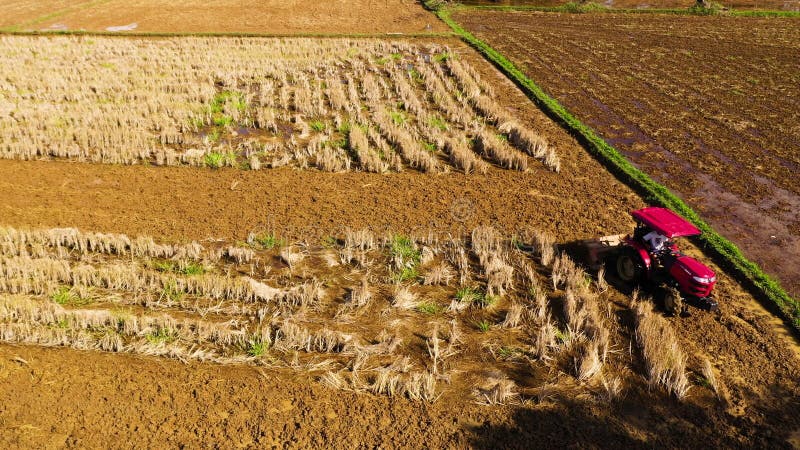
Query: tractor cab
(650, 254)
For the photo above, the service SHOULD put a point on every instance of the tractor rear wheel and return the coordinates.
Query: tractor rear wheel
(630, 266)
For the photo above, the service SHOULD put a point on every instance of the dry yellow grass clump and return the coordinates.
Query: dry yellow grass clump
(388, 314)
(665, 361)
(334, 104)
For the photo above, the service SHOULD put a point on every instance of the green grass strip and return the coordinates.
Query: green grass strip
(588, 8)
(729, 256)
(158, 34)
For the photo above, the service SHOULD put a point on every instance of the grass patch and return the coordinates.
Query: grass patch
(185, 268)
(170, 292)
(266, 241)
(508, 352)
(192, 268)
(398, 117)
(256, 347)
(488, 300)
(215, 160)
(404, 248)
(236, 99)
(338, 143)
(161, 336)
(727, 254)
(406, 274)
(329, 242)
(213, 136)
(416, 76)
(222, 120)
(429, 308)
(344, 128)
(476, 297)
(711, 9)
(580, 7)
(442, 57)
(317, 125)
(438, 123)
(483, 326)
(64, 296)
(467, 294)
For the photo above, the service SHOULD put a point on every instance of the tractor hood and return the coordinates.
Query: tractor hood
(698, 271)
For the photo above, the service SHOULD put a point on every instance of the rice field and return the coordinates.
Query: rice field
(335, 104)
(415, 317)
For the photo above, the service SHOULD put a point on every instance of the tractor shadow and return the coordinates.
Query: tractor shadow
(642, 419)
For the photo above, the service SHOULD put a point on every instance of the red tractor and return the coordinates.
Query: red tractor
(650, 255)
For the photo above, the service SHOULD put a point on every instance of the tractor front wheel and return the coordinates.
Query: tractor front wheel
(673, 301)
(630, 266)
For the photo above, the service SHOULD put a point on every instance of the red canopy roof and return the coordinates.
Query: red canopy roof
(665, 222)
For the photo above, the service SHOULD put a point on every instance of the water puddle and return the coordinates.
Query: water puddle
(129, 27)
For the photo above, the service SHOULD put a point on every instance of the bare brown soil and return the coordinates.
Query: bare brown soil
(16, 12)
(253, 16)
(63, 397)
(177, 203)
(786, 5)
(707, 106)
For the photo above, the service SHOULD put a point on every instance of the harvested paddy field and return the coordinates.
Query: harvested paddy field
(707, 106)
(475, 340)
(295, 304)
(335, 104)
(227, 16)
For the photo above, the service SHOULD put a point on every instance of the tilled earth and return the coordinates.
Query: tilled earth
(786, 5)
(707, 106)
(220, 16)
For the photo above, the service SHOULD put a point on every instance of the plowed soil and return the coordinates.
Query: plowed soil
(55, 398)
(707, 106)
(16, 12)
(60, 397)
(251, 16)
(786, 5)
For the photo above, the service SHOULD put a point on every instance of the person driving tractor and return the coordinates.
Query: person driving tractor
(656, 241)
